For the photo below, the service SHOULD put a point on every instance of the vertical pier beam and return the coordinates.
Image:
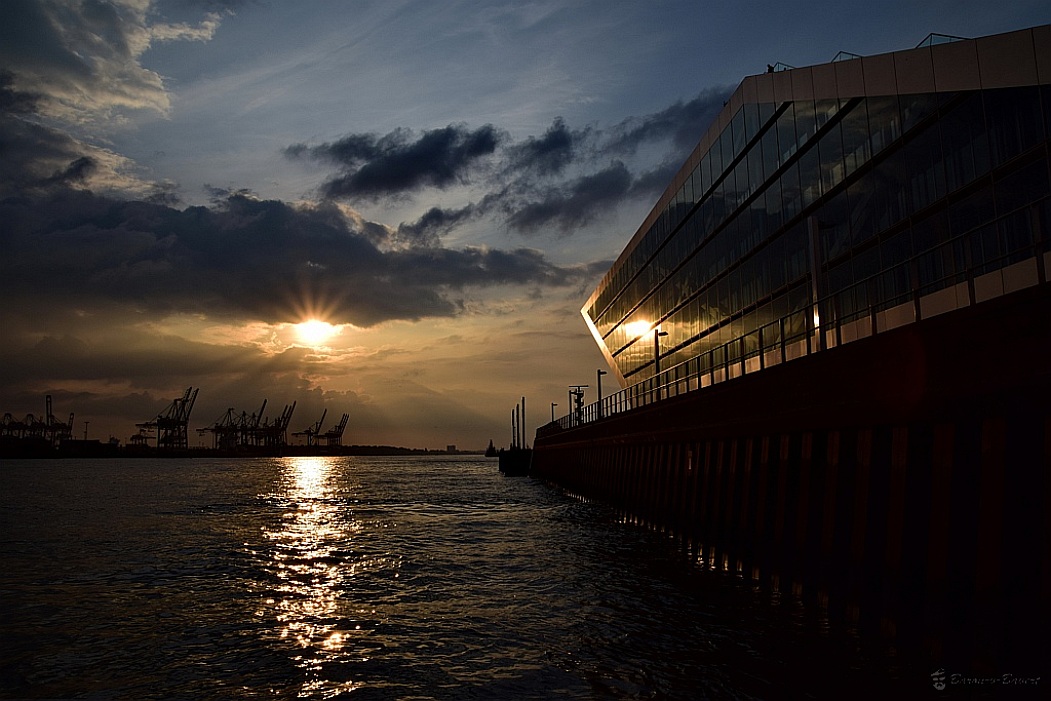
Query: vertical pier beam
(895, 529)
(830, 506)
(746, 536)
(781, 557)
(937, 574)
(763, 528)
(859, 524)
(729, 549)
(988, 559)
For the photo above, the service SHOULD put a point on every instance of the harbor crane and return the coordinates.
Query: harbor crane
(275, 435)
(313, 431)
(171, 424)
(46, 428)
(233, 431)
(334, 436)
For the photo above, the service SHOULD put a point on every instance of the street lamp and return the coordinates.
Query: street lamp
(657, 333)
(576, 392)
(600, 374)
(553, 405)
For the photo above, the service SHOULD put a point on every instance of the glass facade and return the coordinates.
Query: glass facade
(805, 215)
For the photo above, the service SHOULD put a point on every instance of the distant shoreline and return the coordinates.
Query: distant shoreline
(97, 449)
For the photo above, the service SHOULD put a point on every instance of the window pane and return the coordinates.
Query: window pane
(884, 122)
(854, 128)
(766, 112)
(786, 133)
(1022, 187)
(862, 219)
(796, 252)
(791, 195)
(737, 126)
(924, 164)
(932, 232)
(726, 146)
(755, 168)
(772, 199)
(964, 143)
(741, 180)
(1016, 236)
(971, 212)
(889, 192)
(705, 168)
(751, 121)
(806, 121)
(771, 153)
(824, 111)
(833, 220)
(865, 263)
(715, 155)
(897, 249)
(916, 108)
(810, 176)
(1013, 119)
(831, 152)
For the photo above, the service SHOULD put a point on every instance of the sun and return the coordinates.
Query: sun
(315, 332)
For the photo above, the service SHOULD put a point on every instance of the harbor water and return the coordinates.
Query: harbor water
(422, 577)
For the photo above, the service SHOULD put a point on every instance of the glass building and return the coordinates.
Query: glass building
(833, 202)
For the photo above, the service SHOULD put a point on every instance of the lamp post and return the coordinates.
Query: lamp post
(576, 392)
(600, 373)
(553, 405)
(657, 333)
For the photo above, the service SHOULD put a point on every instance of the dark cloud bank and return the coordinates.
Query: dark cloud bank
(264, 260)
(559, 181)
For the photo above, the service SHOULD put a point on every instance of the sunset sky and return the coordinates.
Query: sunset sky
(184, 182)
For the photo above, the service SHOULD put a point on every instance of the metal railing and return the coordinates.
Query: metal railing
(802, 332)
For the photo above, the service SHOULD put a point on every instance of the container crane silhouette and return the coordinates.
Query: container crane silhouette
(313, 431)
(171, 424)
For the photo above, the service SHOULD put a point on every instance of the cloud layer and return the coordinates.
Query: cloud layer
(373, 167)
(245, 258)
(559, 181)
(83, 59)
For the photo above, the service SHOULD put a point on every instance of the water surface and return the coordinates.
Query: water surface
(376, 578)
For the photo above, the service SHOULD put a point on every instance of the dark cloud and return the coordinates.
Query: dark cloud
(437, 221)
(67, 65)
(576, 203)
(546, 181)
(683, 123)
(82, 59)
(77, 172)
(400, 162)
(247, 258)
(549, 154)
(31, 154)
(426, 230)
(653, 182)
(219, 195)
(14, 101)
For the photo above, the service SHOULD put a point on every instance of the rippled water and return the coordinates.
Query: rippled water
(374, 578)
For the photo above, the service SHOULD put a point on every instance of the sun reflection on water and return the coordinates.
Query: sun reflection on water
(311, 561)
